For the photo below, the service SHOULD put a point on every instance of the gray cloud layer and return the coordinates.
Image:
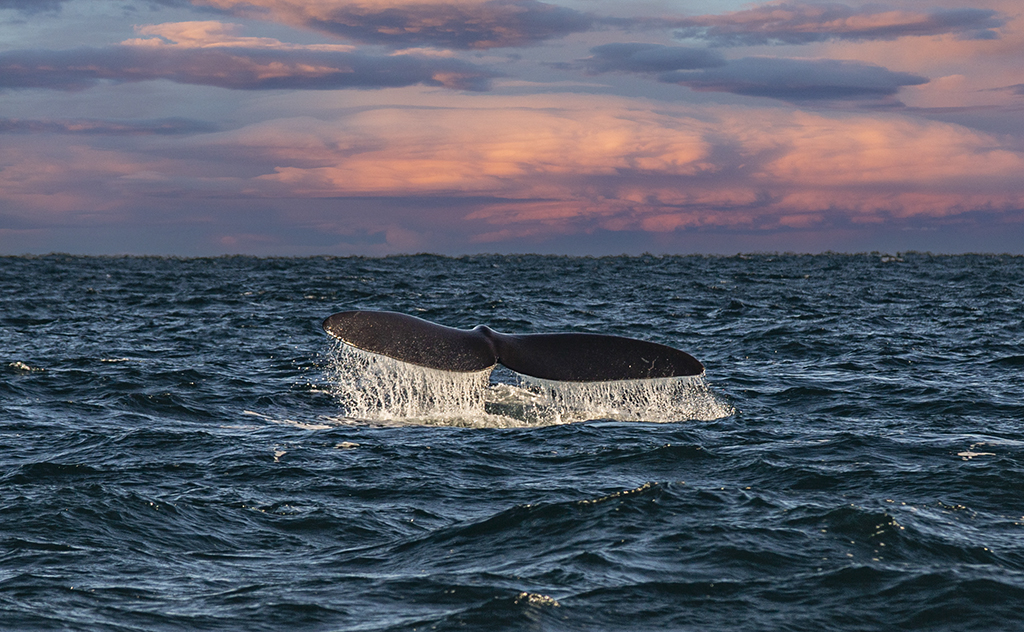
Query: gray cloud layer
(234, 68)
(32, 6)
(639, 57)
(94, 127)
(775, 77)
(493, 24)
(797, 79)
(796, 23)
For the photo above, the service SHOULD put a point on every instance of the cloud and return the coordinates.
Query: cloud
(233, 68)
(797, 79)
(501, 168)
(623, 168)
(213, 34)
(456, 24)
(498, 152)
(776, 77)
(639, 57)
(92, 127)
(803, 23)
(768, 171)
(32, 6)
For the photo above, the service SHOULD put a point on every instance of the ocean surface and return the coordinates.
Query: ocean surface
(182, 447)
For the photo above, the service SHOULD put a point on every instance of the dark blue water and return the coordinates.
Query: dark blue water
(175, 453)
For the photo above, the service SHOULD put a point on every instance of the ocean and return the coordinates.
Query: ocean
(182, 447)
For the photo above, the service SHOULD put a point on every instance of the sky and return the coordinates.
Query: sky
(580, 127)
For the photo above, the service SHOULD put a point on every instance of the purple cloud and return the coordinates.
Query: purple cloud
(32, 6)
(638, 57)
(798, 23)
(234, 68)
(454, 25)
(797, 79)
(776, 77)
(40, 6)
(93, 127)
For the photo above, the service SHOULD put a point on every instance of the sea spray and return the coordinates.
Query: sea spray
(378, 388)
(658, 400)
(374, 387)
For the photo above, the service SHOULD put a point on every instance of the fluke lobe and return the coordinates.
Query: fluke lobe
(568, 357)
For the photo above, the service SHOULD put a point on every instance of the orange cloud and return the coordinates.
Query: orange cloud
(493, 168)
(853, 151)
(213, 34)
(510, 151)
(627, 168)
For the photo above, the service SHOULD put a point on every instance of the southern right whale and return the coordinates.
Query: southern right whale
(572, 357)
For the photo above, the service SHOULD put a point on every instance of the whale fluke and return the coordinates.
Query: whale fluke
(568, 357)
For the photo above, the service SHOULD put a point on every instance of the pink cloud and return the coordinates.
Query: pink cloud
(213, 34)
(623, 168)
(496, 169)
(499, 151)
(50, 179)
(855, 151)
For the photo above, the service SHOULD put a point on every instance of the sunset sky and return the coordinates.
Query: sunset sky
(301, 127)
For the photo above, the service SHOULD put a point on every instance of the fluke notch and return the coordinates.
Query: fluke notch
(568, 357)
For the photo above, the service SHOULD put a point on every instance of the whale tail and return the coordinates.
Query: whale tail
(563, 356)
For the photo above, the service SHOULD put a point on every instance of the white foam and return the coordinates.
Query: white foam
(21, 367)
(287, 422)
(378, 388)
(372, 387)
(658, 400)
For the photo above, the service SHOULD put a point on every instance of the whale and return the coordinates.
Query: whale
(570, 357)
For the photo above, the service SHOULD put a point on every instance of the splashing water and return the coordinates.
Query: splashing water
(374, 387)
(378, 388)
(659, 399)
